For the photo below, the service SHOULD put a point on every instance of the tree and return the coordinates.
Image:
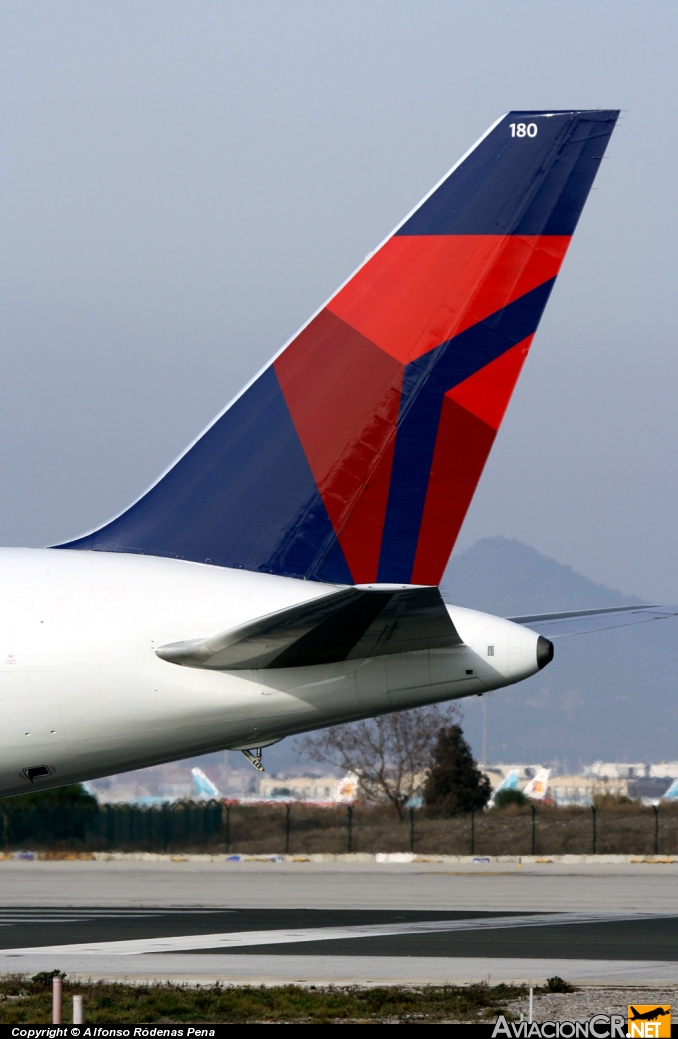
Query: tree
(455, 783)
(509, 797)
(72, 795)
(390, 754)
(53, 815)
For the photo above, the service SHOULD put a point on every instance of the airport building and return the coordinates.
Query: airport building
(299, 788)
(174, 782)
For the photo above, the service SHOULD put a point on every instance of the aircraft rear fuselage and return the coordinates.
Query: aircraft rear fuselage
(83, 693)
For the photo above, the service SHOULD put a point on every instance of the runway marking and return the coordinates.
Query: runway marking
(244, 939)
(38, 916)
(95, 911)
(112, 910)
(10, 917)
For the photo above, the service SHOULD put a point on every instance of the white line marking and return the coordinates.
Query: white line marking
(245, 939)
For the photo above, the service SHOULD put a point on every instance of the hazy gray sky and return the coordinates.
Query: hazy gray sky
(184, 182)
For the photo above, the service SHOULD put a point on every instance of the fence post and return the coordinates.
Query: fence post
(594, 809)
(215, 819)
(56, 1000)
(72, 824)
(228, 829)
(656, 829)
(165, 827)
(473, 830)
(534, 828)
(287, 828)
(110, 825)
(350, 828)
(411, 829)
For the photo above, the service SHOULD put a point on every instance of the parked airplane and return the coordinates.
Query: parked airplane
(282, 575)
(535, 788)
(305, 790)
(207, 791)
(538, 785)
(509, 782)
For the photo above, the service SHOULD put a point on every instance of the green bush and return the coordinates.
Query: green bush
(556, 984)
(509, 797)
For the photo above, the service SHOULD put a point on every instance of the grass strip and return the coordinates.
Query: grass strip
(26, 1000)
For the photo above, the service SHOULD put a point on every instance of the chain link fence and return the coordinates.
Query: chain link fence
(294, 828)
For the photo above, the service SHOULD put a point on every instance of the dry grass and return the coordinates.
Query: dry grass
(620, 829)
(24, 1001)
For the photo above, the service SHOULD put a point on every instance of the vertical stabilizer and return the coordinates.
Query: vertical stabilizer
(204, 785)
(537, 787)
(354, 456)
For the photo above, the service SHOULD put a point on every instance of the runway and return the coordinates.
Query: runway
(341, 923)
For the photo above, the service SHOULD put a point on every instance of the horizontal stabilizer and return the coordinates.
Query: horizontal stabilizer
(349, 624)
(578, 622)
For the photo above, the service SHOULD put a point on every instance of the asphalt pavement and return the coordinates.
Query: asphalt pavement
(268, 922)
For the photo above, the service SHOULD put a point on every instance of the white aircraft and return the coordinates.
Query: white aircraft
(538, 785)
(204, 786)
(283, 574)
(670, 795)
(207, 791)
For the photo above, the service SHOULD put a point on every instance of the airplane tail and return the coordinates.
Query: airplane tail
(347, 788)
(509, 782)
(204, 784)
(353, 457)
(537, 787)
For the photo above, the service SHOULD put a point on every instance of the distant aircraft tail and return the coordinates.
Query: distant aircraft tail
(353, 457)
(204, 784)
(509, 782)
(672, 793)
(347, 788)
(537, 787)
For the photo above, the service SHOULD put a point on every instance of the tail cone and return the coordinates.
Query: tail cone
(544, 652)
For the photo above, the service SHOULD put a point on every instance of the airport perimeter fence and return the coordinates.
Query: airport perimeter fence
(294, 828)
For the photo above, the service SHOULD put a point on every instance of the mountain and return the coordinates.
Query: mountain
(608, 694)
(503, 576)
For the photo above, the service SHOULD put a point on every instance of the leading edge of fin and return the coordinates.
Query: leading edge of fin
(354, 455)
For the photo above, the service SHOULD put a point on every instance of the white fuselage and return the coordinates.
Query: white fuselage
(83, 693)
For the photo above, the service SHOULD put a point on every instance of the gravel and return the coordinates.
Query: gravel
(586, 1002)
